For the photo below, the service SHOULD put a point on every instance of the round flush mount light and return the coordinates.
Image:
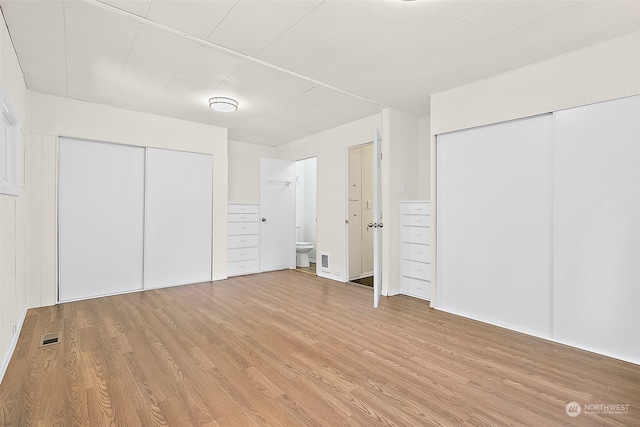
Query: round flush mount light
(224, 104)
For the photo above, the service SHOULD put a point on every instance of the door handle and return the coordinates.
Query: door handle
(370, 225)
(380, 225)
(263, 219)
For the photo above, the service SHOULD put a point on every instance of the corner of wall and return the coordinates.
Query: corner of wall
(220, 202)
(401, 181)
(14, 211)
(12, 346)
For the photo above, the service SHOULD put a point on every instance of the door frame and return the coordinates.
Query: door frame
(377, 216)
(295, 204)
(346, 204)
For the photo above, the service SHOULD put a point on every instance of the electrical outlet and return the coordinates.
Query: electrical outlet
(14, 328)
(336, 272)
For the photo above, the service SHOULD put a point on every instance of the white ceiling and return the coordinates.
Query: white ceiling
(296, 66)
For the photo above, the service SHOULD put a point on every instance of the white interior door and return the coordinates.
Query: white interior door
(277, 214)
(100, 218)
(377, 217)
(178, 218)
(596, 252)
(494, 223)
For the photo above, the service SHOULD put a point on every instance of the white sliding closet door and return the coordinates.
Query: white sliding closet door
(597, 228)
(494, 220)
(101, 211)
(179, 212)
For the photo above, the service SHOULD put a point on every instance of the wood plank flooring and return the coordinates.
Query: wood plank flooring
(310, 270)
(291, 349)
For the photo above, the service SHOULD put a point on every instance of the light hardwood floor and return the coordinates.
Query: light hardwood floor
(292, 349)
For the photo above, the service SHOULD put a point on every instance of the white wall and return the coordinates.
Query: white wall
(53, 116)
(330, 149)
(400, 181)
(601, 72)
(244, 170)
(13, 213)
(310, 204)
(424, 161)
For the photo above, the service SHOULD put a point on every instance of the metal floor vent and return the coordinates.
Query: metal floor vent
(49, 339)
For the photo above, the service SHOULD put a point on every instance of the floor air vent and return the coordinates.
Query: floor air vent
(325, 262)
(49, 339)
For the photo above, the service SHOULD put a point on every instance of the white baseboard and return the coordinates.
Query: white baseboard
(414, 296)
(329, 276)
(12, 347)
(543, 336)
(489, 322)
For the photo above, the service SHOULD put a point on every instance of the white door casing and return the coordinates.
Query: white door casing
(377, 217)
(360, 212)
(366, 210)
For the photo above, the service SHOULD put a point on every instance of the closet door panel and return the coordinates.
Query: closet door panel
(355, 239)
(178, 221)
(355, 173)
(101, 211)
(494, 216)
(597, 228)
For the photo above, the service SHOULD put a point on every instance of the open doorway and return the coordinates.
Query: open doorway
(360, 213)
(306, 196)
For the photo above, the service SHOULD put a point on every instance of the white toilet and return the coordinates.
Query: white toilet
(302, 250)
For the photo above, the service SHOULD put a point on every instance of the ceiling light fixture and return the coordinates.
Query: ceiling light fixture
(224, 104)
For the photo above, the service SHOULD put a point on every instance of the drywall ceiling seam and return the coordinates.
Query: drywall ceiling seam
(146, 21)
(15, 52)
(66, 55)
(124, 66)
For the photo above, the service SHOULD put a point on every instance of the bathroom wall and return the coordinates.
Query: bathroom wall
(306, 195)
(330, 147)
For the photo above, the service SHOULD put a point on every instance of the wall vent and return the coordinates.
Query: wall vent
(325, 263)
